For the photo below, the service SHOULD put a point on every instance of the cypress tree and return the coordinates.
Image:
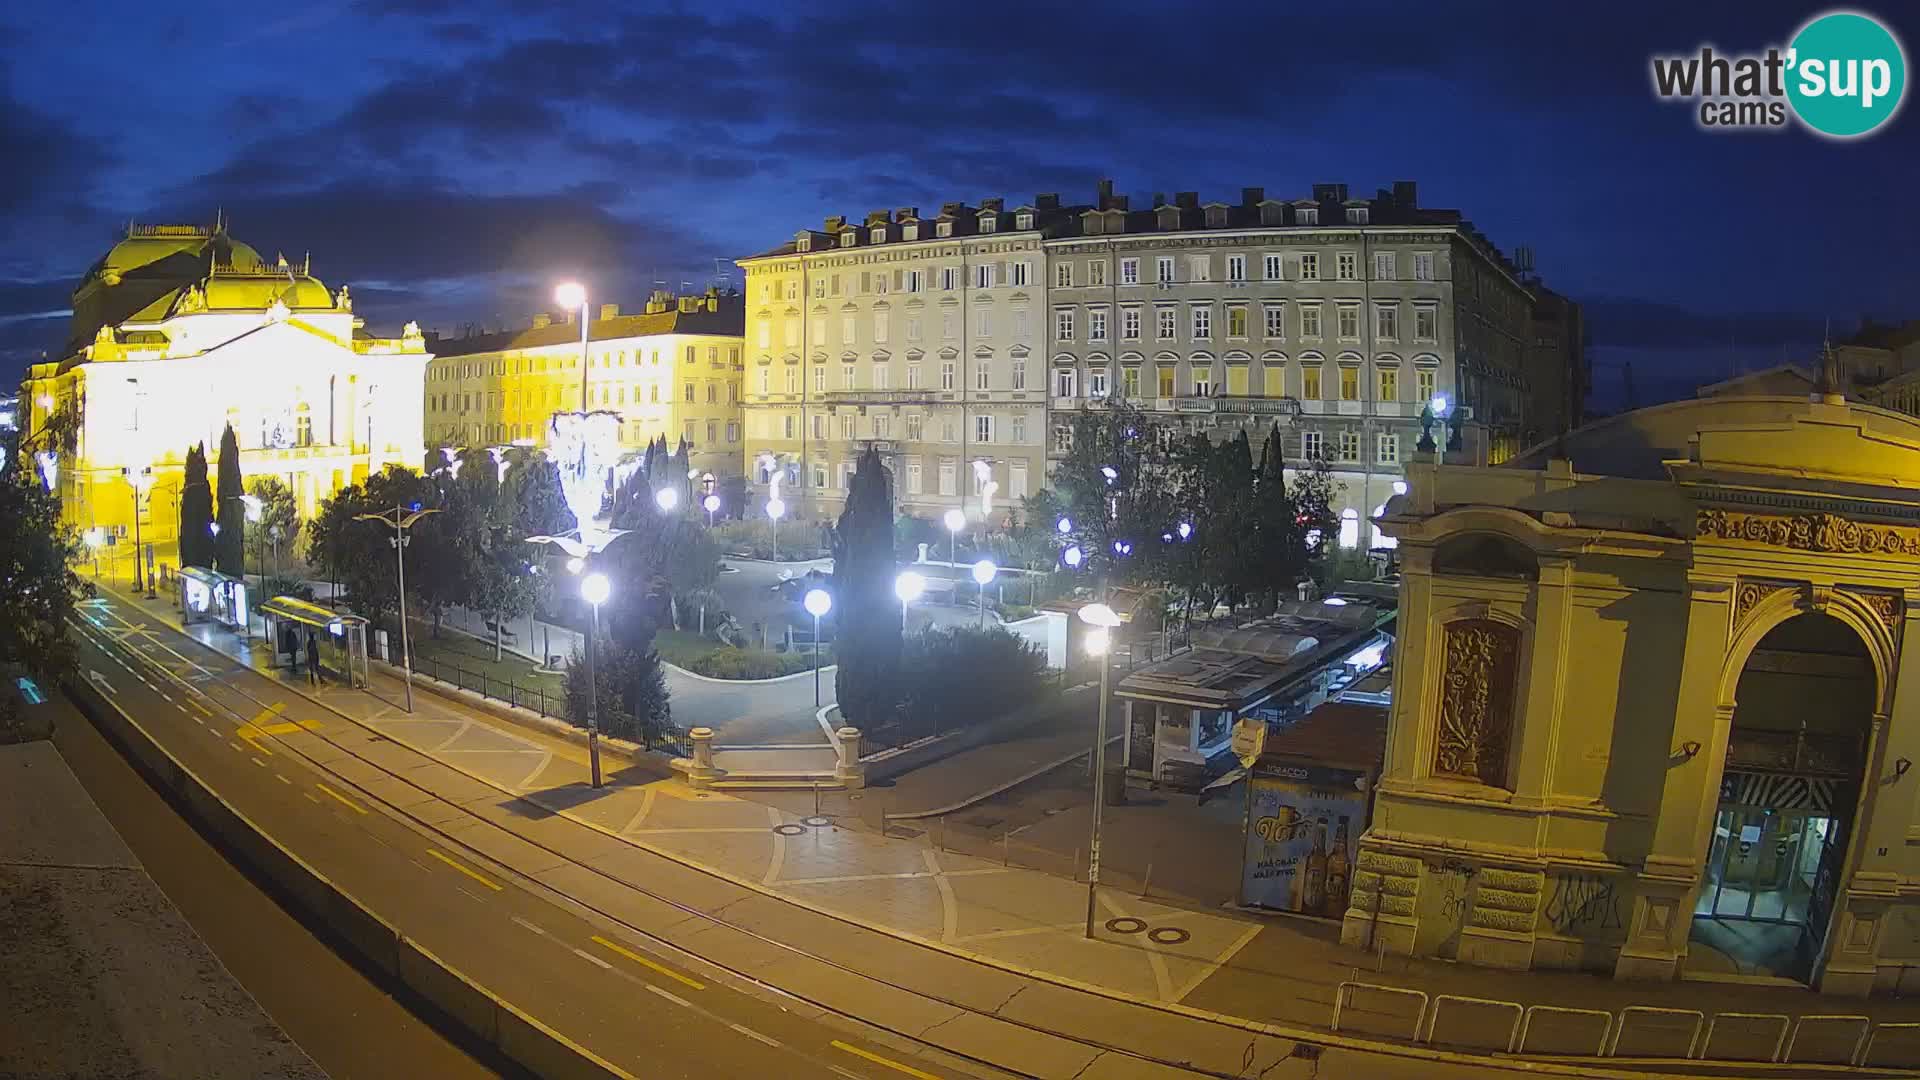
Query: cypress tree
(865, 610)
(196, 511)
(230, 547)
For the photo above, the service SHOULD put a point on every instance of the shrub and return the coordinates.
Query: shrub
(956, 675)
(730, 663)
(798, 539)
(283, 585)
(631, 691)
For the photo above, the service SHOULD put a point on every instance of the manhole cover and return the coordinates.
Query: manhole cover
(1168, 935)
(790, 829)
(817, 821)
(1126, 924)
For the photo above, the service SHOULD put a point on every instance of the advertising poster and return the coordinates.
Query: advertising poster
(1303, 827)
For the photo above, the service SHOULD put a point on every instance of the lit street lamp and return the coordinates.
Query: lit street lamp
(775, 510)
(955, 519)
(142, 482)
(908, 587)
(401, 522)
(818, 602)
(711, 503)
(983, 574)
(667, 499)
(572, 294)
(1099, 642)
(594, 589)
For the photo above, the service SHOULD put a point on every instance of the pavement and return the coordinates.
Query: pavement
(747, 939)
(103, 976)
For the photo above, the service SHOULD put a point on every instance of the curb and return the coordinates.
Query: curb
(677, 669)
(915, 815)
(481, 1013)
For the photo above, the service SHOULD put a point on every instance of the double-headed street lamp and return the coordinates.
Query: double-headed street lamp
(775, 511)
(908, 587)
(142, 481)
(983, 574)
(1099, 642)
(666, 499)
(710, 504)
(401, 520)
(955, 520)
(569, 295)
(818, 602)
(594, 589)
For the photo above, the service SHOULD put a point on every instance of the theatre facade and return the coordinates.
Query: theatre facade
(1653, 712)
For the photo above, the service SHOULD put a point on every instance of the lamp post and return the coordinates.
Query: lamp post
(710, 504)
(401, 520)
(666, 499)
(983, 573)
(818, 602)
(594, 589)
(775, 509)
(1099, 642)
(908, 587)
(572, 294)
(142, 482)
(955, 519)
(254, 510)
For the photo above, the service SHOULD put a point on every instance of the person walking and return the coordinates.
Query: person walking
(290, 645)
(313, 658)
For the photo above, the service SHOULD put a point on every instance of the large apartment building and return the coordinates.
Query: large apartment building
(974, 336)
(672, 369)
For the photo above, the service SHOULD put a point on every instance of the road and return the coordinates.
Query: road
(590, 979)
(346, 1019)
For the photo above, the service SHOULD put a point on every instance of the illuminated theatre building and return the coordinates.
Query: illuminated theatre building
(181, 330)
(1652, 710)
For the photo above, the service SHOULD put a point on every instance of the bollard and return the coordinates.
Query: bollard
(703, 771)
(847, 767)
(1004, 843)
(1076, 864)
(1146, 885)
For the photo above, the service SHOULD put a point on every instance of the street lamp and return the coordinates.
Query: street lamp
(908, 587)
(572, 294)
(711, 503)
(142, 482)
(956, 519)
(667, 499)
(1099, 642)
(818, 602)
(594, 589)
(401, 521)
(983, 573)
(775, 510)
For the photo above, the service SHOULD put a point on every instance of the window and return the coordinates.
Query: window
(1389, 384)
(1349, 528)
(689, 393)
(1063, 438)
(1023, 221)
(1349, 321)
(982, 373)
(946, 325)
(792, 335)
(1018, 272)
(913, 329)
(789, 425)
(763, 333)
(713, 395)
(949, 277)
(819, 378)
(913, 375)
(1276, 321)
(846, 377)
(1018, 425)
(943, 229)
(1349, 446)
(1424, 382)
(820, 474)
(1097, 324)
(882, 427)
(793, 290)
(1346, 266)
(1383, 266)
(1202, 323)
(1386, 322)
(764, 375)
(733, 431)
(793, 380)
(1236, 268)
(983, 276)
(1270, 266)
(1063, 325)
(1311, 447)
(915, 481)
(1019, 373)
(1019, 328)
(1356, 215)
(1064, 380)
(946, 375)
(1310, 266)
(1165, 380)
(1167, 323)
(1129, 271)
(1130, 382)
(1063, 275)
(881, 322)
(1423, 266)
(1164, 267)
(1130, 324)
(983, 322)
(1425, 323)
(1199, 268)
(983, 429)
(913, 281)
(1310, 382)
(1237, 321)
(819, 288)
(1306, 215)
(989, 223)
(1387, 448)
(948, 481)
(846, 427)
(1097, 272)
(914, 424)
(882, 375)
(946, 430)
(1097, 382)
(1349, 383)
(713, 432)
(1203, 381)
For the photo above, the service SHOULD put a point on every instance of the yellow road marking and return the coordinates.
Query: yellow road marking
(252, 731)
(342, 799)
(878, 1060)
(644, 962)
(287, 728)
(204, 711)
(470, 873)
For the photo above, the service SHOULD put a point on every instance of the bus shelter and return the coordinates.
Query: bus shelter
(289, 620)
(209, 596)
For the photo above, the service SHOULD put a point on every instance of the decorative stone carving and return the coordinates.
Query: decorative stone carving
(1476, 700)
(1886, 605)
(1384, 883)
(1808, 532)
(1749, 596)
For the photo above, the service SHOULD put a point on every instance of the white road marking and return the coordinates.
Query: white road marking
(585, 955)
(752, 1034)
(258, 762)
(476, 897)
(531, 926)
(308, 795)
(675, 998)
(283, 779)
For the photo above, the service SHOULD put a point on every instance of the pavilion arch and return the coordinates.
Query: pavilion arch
(1787, 602)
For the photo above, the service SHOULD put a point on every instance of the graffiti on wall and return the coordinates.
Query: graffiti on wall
(1584, 905)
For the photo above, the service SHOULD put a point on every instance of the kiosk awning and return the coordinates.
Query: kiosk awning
(307, 613)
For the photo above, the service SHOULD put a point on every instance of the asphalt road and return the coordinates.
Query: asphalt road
(587, 978)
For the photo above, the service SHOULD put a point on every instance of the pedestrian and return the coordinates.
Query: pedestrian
(290, 645)
(313, 658)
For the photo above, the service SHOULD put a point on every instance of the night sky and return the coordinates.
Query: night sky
(451, 160)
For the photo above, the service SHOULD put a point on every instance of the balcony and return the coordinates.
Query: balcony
(878, 397)
(881, 446)
(1250, 405)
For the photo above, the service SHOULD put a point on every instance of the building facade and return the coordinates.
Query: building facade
(1652, 711)
(917, 336)
(180, 331)
(1559, 375)
(672, 370)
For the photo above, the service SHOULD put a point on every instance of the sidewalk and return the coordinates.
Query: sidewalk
(1011, 918)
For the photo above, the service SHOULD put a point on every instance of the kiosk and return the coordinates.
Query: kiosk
(209, 596)
(344, 636)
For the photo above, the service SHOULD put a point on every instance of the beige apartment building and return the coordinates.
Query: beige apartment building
(920, 337)
(672, 369)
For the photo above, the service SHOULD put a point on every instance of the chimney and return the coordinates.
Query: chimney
(878, 217)
(1187, 200)
(609, 311)
(1047, 200)
(835, 222)
(1159, 199)
(1406, 193)
(951, 209)
(689, 303)
(1323, 193)
(907, 213)
(995, 204)
(659, 301)
(1106, 195)
(542, 320)
(1119, 202)
(1252, 196)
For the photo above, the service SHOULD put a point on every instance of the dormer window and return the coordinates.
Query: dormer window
(849, 238)
(1216, 217)
(1307, 215)
(910, 232)
(1356, 215)
(1024, 221)
(805, 243)
(989, 223)
(943, 229)
(879, 235)
(1270, 215)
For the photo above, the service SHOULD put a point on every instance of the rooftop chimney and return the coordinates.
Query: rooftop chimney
(1406, 193)
(1106, 195)
(1329, 193)
(1047, 200)
(907, 213)
(1187, 200)
(542, 320)
(1159, 199)
(835, 222)
(659, 301)
(994, 204)
(1252, 196)
(609, 311)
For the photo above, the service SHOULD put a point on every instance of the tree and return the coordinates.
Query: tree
(868, 647)
(1117, 519)
(196, 511)
(37, 586)
(629, 689)
(1313, 498)
(229, 542)
(532, 491)
(959, 674)
(1279, 545)
(277, 511)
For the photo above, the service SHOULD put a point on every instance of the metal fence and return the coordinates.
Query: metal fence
(531, 695)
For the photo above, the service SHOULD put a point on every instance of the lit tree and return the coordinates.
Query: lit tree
(229, 545)
(1129, 508)
(277, 511)
(868, 646)
(196, 511)
(36, 584)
